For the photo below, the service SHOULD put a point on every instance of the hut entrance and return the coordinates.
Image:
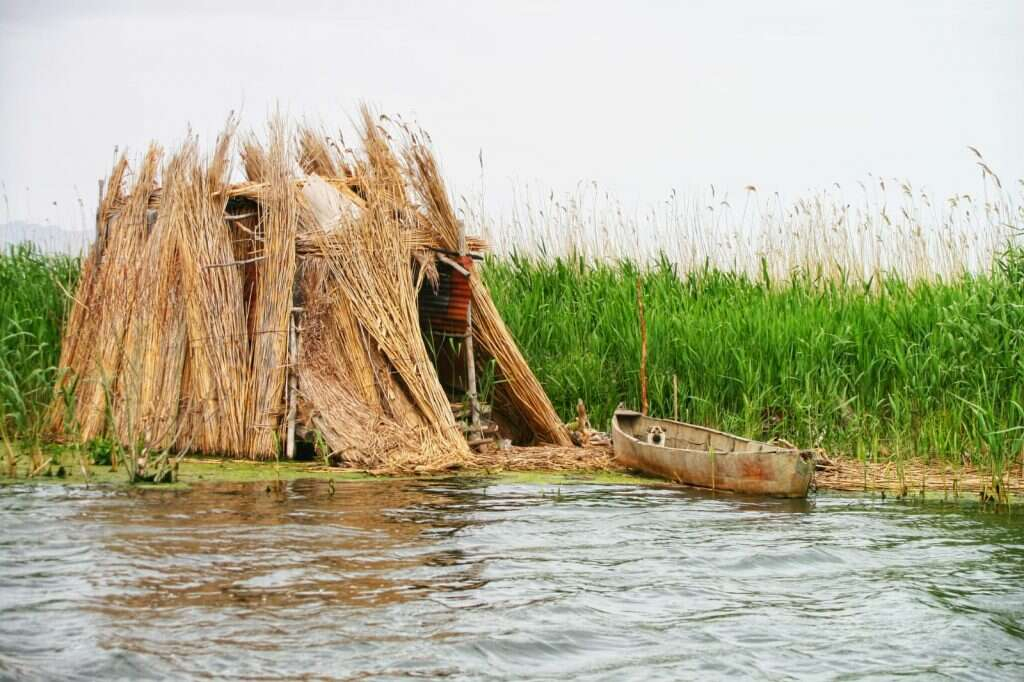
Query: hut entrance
(446, 314)
(445, 305)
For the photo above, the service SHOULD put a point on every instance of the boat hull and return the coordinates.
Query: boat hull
(696, 456)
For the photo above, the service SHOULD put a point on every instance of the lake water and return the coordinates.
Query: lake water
(475, 579)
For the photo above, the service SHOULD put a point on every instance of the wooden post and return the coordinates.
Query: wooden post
(474, 403)
(675, 397)
(293, 384)
(643, 345)
(582, 422)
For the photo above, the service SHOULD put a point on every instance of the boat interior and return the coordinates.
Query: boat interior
(682, 436)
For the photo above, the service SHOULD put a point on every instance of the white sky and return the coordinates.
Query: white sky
(640, 97)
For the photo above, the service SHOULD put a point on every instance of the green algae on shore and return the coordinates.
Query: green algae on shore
(216, 470)
(209, 471)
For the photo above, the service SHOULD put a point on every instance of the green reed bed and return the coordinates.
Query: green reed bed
(877, 369)
(34, 289)
(880, 369)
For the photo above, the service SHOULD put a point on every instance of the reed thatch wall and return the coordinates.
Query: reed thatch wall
(211, 315)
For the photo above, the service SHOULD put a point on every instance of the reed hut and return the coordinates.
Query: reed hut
(329, 300)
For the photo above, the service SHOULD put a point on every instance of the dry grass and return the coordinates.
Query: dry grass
(550, 458)
(909, 477)
(881, 226)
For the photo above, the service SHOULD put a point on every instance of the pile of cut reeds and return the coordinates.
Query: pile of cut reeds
(223, 318)
(916, 477)
(550, 458)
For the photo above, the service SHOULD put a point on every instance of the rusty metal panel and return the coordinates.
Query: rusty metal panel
(444, 310)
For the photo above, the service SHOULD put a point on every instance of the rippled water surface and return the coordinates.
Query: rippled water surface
(481, 579)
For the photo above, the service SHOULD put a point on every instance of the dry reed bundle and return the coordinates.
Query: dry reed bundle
(179, 336)
(380, 171)
(215, 307)
(373, 270)
(910, 477)
(338, 380)
(369, 258)
(157, 343)
(316, 157)
(366, 364)
(119, 279)
(254, 163)
(83, 321)
(251, 190)
(519, 386)
(272, 302)
(550, 458)
(417, 239)
(330, 329)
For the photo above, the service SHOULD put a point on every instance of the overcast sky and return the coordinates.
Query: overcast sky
(640, 97)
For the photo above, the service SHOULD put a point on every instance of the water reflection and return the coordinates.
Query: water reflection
(469, 578)
(280, 548)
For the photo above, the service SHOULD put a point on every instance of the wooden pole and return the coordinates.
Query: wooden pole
(643, 345)
(293, 385)
(675, 397)
(474, 404)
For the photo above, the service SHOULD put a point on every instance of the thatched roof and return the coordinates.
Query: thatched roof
(209, 312)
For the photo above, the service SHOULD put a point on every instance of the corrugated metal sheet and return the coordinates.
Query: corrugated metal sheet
(444, 310)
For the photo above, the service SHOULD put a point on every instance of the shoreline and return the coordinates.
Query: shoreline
(550, 465)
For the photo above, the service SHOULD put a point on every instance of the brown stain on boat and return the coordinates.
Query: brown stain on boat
(753, 469)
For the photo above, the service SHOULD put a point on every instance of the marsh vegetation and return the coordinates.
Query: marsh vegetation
(890, 330)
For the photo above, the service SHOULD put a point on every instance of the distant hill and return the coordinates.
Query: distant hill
(47, 237)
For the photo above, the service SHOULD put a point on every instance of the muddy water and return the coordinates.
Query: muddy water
(476, 579)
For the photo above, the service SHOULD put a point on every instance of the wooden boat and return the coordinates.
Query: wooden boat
(697, 456)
